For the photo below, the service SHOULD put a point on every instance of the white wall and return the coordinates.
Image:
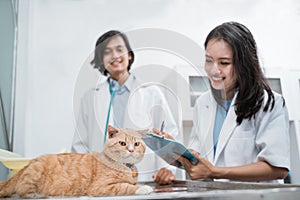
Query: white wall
(56, 39)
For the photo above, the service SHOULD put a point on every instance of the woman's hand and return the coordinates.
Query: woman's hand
(203, 169)
(163, 176)
(258, 171)
(162, 134)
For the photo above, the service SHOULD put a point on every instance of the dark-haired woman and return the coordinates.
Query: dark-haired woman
(240, 127)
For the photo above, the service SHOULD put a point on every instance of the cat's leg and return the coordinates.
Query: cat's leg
(29, 190)
(144, 189)
(119, 189)
(6, 189)
(33, 196)
(17, 186)
(30, 181)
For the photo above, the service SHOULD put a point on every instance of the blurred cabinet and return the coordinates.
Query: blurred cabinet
(198, 85)
(7, 32)
(275, 84)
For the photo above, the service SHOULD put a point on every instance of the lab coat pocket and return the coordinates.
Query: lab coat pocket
(240, 149)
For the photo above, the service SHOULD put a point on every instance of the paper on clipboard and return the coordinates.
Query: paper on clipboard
(165, 148)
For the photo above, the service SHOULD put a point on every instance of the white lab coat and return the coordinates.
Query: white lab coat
(264, 138)
(147, 108)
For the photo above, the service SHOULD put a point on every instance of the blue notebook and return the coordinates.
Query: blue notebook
(165, 148)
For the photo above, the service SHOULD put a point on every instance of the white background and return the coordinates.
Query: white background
(56, 38)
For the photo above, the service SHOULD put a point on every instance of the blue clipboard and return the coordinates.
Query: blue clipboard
(165, 148)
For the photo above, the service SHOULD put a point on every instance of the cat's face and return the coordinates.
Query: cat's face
(125, 145)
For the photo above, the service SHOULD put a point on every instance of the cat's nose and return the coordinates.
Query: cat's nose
(131, 150)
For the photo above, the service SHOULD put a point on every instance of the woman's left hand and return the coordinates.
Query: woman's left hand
(163, 176)
(203, 169)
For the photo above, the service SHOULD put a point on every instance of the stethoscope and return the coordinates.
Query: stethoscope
(113, 89)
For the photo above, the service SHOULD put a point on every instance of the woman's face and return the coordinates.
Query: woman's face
(219, 66)
(116, 57)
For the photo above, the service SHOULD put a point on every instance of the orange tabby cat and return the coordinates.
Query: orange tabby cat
(110, 172)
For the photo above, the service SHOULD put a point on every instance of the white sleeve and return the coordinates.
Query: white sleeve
(273, 135)
(80, 138)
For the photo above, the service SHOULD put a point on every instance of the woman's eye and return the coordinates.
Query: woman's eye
(136, 144)
(122, 143)
(208, 61)
(106, 52)
(120, 50)
(225, 63)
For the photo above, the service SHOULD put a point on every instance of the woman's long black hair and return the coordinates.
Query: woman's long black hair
(250, 80)
(100, 46)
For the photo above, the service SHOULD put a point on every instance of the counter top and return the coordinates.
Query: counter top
(212, 190)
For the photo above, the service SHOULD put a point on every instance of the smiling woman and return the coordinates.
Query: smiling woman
(239, 124)
(219, 67)
(250, 121)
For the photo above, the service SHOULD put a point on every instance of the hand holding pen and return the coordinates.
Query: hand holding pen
(161, 132)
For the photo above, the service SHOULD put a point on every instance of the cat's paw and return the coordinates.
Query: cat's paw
(144, 189)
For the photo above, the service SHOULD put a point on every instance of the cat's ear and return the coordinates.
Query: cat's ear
(112, 131)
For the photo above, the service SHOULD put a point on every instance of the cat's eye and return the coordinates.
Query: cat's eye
(122, 143)
(136, 144)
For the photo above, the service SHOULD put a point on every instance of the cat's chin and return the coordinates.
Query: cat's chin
(130, 160)
(131, 156)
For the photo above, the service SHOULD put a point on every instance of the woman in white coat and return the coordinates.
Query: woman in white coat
(122, 101)
(241, 127)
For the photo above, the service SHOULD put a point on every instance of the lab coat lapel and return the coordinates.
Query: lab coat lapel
(209, 118)
(226, 131)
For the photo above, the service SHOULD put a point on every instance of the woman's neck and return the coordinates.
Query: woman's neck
(227, 95)
(121, 78)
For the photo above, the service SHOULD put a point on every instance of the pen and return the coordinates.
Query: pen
(162, 126)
